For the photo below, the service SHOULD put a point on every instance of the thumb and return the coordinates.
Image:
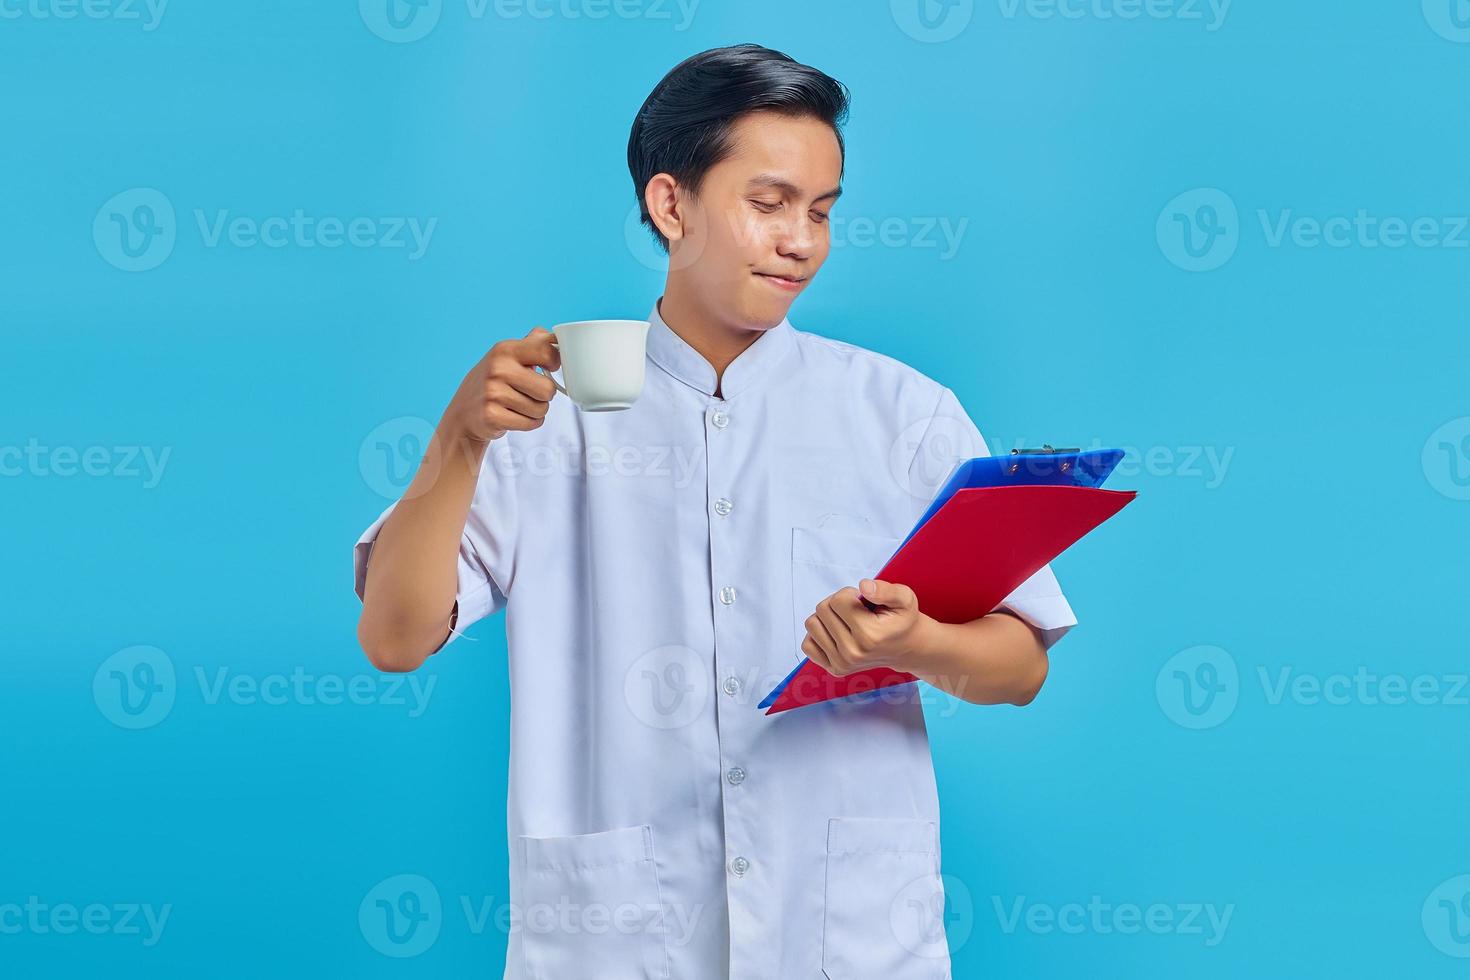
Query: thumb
(886, 593)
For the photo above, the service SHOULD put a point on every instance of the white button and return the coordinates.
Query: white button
(731, 686)
(739, 866)
(720, 419)
(722, 506)
(727, 594)
(735, 775)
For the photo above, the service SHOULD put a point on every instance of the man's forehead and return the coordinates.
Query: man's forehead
(768, 149)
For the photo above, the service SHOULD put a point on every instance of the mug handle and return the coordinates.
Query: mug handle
(547, 374)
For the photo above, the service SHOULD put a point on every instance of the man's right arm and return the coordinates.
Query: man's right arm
(412, 577)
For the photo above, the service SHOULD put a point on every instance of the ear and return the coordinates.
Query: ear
(661, 197)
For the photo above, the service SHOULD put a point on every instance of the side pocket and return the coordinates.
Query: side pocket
(591, 906)
(884, 904)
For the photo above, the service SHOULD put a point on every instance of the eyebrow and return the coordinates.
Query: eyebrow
(788, 188)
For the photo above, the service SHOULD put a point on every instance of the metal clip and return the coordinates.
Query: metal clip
(1045, 450)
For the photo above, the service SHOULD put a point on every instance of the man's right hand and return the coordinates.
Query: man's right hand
(412, 575)
(504, 392)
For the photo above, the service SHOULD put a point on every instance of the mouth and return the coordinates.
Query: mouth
(789, 283)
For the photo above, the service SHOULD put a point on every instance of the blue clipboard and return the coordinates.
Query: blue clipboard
(1025, 467)
(1022, 467)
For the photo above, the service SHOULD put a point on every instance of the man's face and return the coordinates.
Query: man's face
(758, 233)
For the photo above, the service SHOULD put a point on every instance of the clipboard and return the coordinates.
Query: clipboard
(996, 522)
(1030, 467)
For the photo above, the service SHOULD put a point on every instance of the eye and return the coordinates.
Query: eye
(820, 217)
(766, 206)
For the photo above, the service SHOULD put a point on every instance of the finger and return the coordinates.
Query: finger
(538, 347)
(835, 624)
(849, 648)
(504, 418)
(502, 394)
(820, 634)
(815, 653)
(850, 609)
(830, 642)
(528, 382)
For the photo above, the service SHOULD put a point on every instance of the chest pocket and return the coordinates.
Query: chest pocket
(838, 552)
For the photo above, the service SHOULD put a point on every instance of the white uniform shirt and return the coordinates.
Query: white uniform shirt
(659, 563)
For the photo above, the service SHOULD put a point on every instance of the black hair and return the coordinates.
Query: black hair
(683, 128)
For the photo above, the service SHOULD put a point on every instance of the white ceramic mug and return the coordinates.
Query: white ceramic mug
(601, 362)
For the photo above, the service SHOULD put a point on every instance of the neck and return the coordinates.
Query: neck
(717, 342)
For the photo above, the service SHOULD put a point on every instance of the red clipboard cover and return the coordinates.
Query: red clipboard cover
(964, 561)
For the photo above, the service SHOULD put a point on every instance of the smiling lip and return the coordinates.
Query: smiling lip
(781, 282)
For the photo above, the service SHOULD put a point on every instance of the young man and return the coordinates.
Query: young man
(664, 566)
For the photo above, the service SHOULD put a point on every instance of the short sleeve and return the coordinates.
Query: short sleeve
(486, 561)
(949, 438)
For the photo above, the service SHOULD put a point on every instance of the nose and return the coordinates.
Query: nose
(798, 240)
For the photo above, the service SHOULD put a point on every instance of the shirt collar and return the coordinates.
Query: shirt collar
(672, 353)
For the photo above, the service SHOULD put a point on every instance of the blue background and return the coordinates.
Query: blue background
(1155, 768)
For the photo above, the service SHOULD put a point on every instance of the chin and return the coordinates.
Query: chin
(765, 313)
